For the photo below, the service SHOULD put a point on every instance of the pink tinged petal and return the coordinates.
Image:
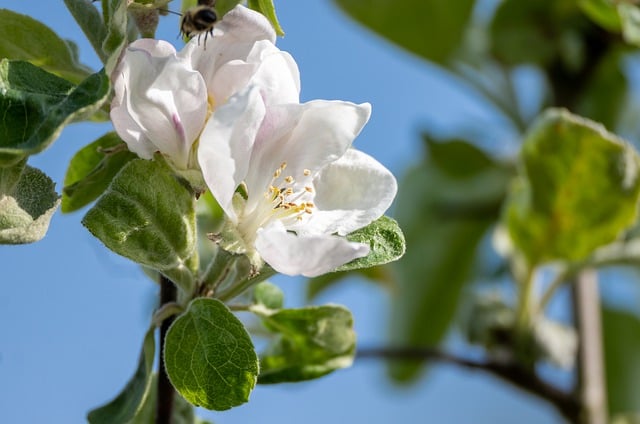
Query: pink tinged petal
(306, 136)
(350, 193)
(226, 143)
(310, 256)
(160, 103)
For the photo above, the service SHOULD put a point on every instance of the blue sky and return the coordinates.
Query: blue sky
(73, 315)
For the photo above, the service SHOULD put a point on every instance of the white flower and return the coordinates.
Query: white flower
(164, 98)
(305, 186)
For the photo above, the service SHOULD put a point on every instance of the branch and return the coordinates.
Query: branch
(166, 392)
(510, 372)
(591, 387)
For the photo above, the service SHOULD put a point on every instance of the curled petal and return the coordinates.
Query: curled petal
(306, 136)
(226, 143)
(305, 255)
(350, 193)
(160, 102)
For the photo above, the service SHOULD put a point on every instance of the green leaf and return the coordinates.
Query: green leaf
(605, 96)
(269, 295)
(130, 401)
(114, 13)
(147, 216)
(24, 38)
(578, 190)
(91, 170)
(630, 17)
(525, 23)
(602, 12)
(432, 29)
(385, 240)
(268, 9)
(36, 106)
(90, 21)
(27, 206)
(621, 333)
(445, 207)
(310, 342)
(209, 356)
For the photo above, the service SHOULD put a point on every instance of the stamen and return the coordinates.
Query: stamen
(306, 172)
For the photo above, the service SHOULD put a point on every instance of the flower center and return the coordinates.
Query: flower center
(285, 199)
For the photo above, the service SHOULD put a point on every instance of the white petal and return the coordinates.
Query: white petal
(234, 38)
(305, 136)
(226, 143)
(305, 255)
(160, 103)
(350, 193)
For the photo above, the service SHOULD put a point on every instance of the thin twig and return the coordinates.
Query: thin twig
(510, 372)
(590, 387)
(166, 392)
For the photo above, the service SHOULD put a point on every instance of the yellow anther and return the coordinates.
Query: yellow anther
(306, 172)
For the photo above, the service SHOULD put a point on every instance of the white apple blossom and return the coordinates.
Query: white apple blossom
(163, 98)
(305, 187)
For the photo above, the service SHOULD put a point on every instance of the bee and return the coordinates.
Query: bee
(199, 20)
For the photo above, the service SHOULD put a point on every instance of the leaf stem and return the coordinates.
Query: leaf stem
(245, 284)
(525, 299)
(166, 392)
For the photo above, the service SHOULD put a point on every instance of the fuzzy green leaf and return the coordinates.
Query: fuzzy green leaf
(209, 356)
(385, 240)
(27, 206)
(148, 216)
(91, 170)
(124, 407)
(24, 38)
(602, 12)
(36, 106)
(432, 29)
(310, 342)
(579, 189)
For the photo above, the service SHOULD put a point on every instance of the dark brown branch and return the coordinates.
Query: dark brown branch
(512, 373)
(166, 392)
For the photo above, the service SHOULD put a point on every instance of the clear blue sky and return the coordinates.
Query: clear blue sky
(72, 314)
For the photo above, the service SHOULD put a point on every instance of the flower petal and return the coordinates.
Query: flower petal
(160, 102)
(305, 255)
(350, 193)
(234, 38)
(306, 136)
(226, 143)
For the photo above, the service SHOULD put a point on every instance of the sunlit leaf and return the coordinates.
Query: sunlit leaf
(385, 240)
(578, 191)
(90, 21)
(209, 356)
